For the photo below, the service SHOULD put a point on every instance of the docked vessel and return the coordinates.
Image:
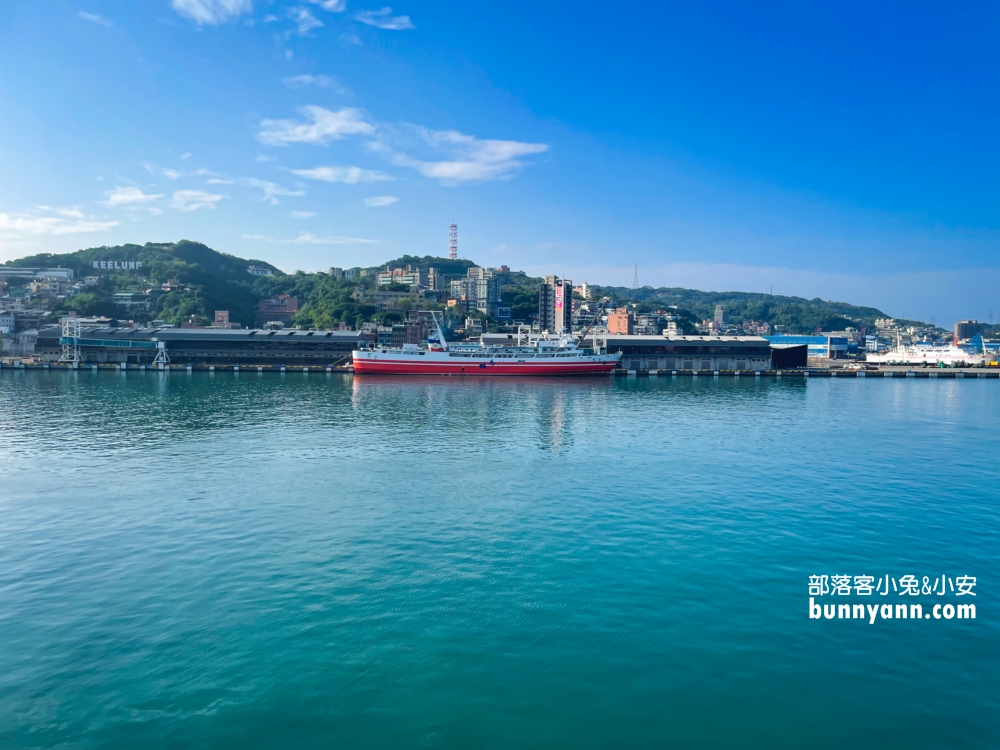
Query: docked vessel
(536, 356)
(931, 356)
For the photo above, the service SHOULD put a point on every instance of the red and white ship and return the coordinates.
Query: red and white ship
(538, 356)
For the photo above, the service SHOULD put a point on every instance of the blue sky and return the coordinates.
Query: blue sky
(846, 151)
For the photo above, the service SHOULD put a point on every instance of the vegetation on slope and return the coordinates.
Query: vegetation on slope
(208, 280)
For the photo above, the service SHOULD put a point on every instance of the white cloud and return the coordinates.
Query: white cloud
(127, 196)
(303, 214)
(261, 159)
(334, 6)
(320, 81)
(304, 20)
(192, 200)
(68, 221)
(349, 39)
(271, 189)
(212, 11)
(305, 238)
(186, 156)
(323, 126)
(175, 174)
(384, 19)
(94, 18)
(470, 159)
(217, 181)
(270, 18)
(380, 200)
(347, 175)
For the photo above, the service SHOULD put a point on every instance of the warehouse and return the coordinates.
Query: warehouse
(204, 345)
(673, 352)
(691, 352)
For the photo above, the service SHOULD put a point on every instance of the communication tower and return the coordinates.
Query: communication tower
(453, 242)
(635, 278)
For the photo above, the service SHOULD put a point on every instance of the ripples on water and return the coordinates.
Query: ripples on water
(307, 561)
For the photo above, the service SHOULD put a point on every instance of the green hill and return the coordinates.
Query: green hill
(210, 280)
(213, 280)
(797, 314)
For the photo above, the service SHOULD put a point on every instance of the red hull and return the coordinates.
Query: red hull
(397, 367)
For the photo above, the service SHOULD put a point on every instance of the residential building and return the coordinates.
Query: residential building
(222, 320)
(621, 322)
(65, 274)
(473, 327)
(131, 301)
(480, 289)
(554, 309)
(386, 300)
(408, 276)
(280, 308)
(966, 329)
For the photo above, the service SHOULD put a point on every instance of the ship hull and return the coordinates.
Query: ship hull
(377, 363)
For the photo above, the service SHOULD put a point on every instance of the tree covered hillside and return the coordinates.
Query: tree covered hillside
(797, 314)
(206, 280)
(201, 280)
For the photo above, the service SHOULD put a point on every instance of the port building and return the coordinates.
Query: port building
(104, 344)
(678, 352)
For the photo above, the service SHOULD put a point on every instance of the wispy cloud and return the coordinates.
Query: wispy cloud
(94, 18)
(271, 189)
(192, 200)
(467, 158)
(303, 214)
(186, 156)
(175, 174)
(321, 127)
(127, 196)
(46, 220)
(334, 6)
(380, 200)
(304, 20)
(320, 81)
(305, 238)
(347, 175)
(384, 19)
(211, 11)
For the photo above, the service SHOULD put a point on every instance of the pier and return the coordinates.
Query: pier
(883, 372)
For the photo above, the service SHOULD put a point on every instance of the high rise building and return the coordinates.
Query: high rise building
(721, 315)
(480, 289)
(555, 308)
(966, 329)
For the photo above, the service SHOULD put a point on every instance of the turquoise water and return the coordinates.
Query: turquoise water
(265, 561)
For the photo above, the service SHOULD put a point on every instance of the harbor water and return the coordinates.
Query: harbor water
(284, 560)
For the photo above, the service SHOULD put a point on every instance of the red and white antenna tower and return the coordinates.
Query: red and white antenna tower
(453, 242)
